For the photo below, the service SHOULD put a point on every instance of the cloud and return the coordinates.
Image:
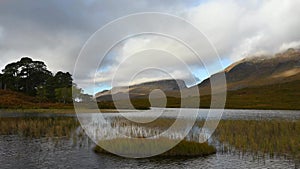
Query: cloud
(285, 46)
(238, 29)
(242, 28)
(55, 31)
(147, 58)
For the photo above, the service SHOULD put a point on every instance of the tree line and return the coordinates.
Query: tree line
(33, 78)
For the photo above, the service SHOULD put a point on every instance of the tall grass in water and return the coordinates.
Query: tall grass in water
(148, 140)
(50, 127)
(120, 127)
(36, 127)
(273, 137)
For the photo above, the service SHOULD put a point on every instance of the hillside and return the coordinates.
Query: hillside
(170, 87)
(281, 96)
(18, 100)
(261, 70)
(261, 82)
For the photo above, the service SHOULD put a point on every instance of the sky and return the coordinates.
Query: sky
(55, 32)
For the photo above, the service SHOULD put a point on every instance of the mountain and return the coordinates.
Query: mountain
(169, 87)
(260, 71)
(253, 82)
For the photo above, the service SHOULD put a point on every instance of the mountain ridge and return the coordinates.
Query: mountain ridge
(262, 70)
(247, 73)
(141, 90)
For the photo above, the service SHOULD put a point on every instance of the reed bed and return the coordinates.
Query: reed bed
(272, 137)
(269, 137)
(37, 127)
(146, 139)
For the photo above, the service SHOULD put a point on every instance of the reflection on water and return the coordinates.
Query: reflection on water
(57, 141)
(117, 127)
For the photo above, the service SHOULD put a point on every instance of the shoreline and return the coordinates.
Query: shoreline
(57, 111)
(72, 111)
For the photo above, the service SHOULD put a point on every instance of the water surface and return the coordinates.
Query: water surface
(19, 151)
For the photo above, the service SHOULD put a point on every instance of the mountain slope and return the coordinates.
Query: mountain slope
(169, 87)
(264, 82)
(260, 71)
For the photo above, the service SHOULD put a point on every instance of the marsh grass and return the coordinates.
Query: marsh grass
(145, 139)
(271, 137)
(158, 126)
(37, 127)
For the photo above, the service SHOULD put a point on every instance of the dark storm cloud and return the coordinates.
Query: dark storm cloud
(55, 31)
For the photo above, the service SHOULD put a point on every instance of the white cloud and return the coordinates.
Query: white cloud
(165, 58)
(243, 28)
(238, 29)
(285, 46)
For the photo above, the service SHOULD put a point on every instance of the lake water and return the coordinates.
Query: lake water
(62, 152)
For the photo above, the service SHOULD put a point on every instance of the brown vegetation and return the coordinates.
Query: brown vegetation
(17, 100)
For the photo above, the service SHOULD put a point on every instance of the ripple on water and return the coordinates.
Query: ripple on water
(17, 152)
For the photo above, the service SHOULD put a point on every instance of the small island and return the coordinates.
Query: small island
(133, 147)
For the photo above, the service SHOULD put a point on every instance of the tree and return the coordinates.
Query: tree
(26, 75)
(1, 81)
(63, 79)
(10, 77)
(80, 96)
(64, 95)
(32, 74)
(33, 78)
(60, 80)
(41, 94)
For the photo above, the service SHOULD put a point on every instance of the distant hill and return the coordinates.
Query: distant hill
(169, 87)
